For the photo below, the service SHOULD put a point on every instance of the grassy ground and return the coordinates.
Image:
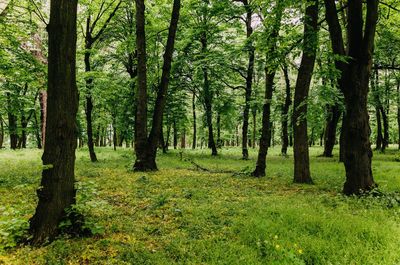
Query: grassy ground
(180, 215)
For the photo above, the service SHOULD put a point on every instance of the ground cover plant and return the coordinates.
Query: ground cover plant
(182, 215)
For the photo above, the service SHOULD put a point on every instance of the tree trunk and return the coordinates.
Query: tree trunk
(175, 135)
(208, 95)
(194, 121)
(219, 144)
(285, 111)
(183, 139)
(12, 124)
(270, 71)
(330, 129)
(89, 102)
(357, 147)
(57, 192)
(254, 127)
(43, 114)
(385, 119)
(37, 131)
(249, 80)
(146, 154)
(301, 154)
(379, 136)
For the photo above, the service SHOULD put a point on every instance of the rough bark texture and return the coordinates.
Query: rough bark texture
(357, 146)
(330, 129)
(301, 154)
(285, 111)
(56, 192)
(146, 154)
(270, 71)
(249, 80)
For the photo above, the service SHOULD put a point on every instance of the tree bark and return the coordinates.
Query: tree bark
(57, 192)
(12, 124)
(357, 146)
(254, 112)
(146, 154)
(208, 95)
(194, 121)
(270, 71)
(249, 79)
(330, 129)
(285, 111)
(379, 136)
(301, 153)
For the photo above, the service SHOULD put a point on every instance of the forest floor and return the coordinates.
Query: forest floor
(183, 215)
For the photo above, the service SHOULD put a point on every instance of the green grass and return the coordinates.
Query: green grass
(182, 216)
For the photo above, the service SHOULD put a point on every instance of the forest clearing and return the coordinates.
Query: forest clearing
(181, 215)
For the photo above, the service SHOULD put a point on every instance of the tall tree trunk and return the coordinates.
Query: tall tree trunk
(208, 95)
(57, 192)
(330, 129)
(183, 139)
(254, 112)
(270, 71)
(141, 95)
(146, 154)
(89, 102)
(194, 121)
(285, 111)
(12, 124)
(249, 79)
(385, 119)
(219, 144)
(301, 154)
(379, 136)
(114, 125)
(175, 135)
(357, 146)
(37, 131)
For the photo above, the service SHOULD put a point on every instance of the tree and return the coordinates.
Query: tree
(91, 37)
(146, 147)
(57, 192)
(270, 71)
(357, 153)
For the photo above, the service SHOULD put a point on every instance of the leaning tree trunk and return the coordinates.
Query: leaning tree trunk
(249, 81)
(270, 71)
(357, 146)
(285, 111)
(57, 192)
(146, 155)
(301, 154)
